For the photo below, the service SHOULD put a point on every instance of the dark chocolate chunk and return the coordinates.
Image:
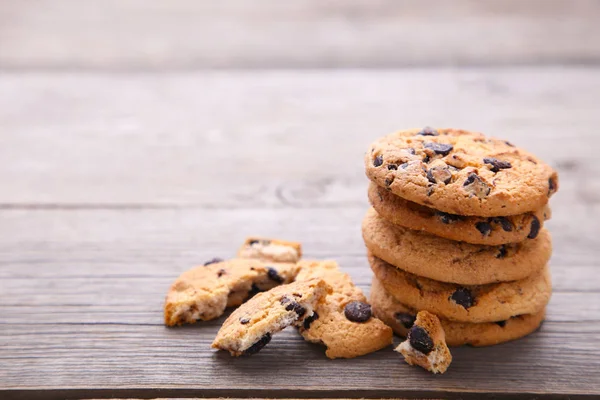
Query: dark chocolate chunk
(484, 227)
(213, 261)
(535, 228)
(273, 275)
(428, 131)
(411, 150)
(420, 340)
(502, 252)
(501, 324)
(256, 347)
(496, 164)
(552, 186)
(392, 167)
(310, 319)
(504, 223)
(439, 148)
(463, 297)
(439, 174)
(406, 319)
(426, 159)
(293, 305)
(221, 272)
(253, 242)
(244, 320)
(378, 161)
(357, 311)
(430, 176)
(448, 218)
(254, 290)
(476, 186)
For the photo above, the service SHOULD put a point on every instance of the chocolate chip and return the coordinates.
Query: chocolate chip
(310, 319)
(439, 148)
(502, 252)
(428, 131)
(476, 186)
(256, 347)
(535, 228)
(504, 223)
(501, 324)
(552, 186)
(448, 218)
(254, 290)
(411, 150)
(378, 161)
(484, 227)
(509, 144)
(392, 167)
(426, 159)
(420, 340)
(221, 272)
(406, 319)
(496, 164)
(253, 242)
(213, 261)
(293, 305)
(439, 174)
(244, 320)
(463, 297)
(273, 275)
(357, 311)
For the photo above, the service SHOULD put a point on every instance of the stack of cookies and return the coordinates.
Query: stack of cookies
(456, 229)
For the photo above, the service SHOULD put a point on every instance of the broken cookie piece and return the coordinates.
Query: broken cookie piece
(272, 250)
(249, 328)
(203, 293)
(426, 344)
(343, 322)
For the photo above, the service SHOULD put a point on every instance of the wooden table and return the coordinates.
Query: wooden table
(118, 171)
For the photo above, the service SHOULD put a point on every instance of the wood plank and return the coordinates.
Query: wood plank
(270, 139)
(142, 34)
(82, 290)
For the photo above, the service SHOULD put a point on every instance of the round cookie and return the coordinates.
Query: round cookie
(401, 318)
(460, 172)
(455, 262)
(474, 304)
(490, 231)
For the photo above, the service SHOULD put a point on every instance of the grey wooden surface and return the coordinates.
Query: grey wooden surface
(125, 159)
(184, 34)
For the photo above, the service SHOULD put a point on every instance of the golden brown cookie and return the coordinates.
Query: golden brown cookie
(401, 318)
(343, 322)
(426, 344)
(203, 293)
(250, 328)
(449, 261)
(271, 250)
(465, 303)
(460, 172)
(490, 231)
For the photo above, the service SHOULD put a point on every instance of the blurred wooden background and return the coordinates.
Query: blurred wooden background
(139, 138)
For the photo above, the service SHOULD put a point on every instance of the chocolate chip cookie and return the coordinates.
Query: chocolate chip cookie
(460, 172)
(271, 250)
(456, 262)
(203, 293)
(343, 322)
(250, 328)
(401, 318)
(490, 231)
(425, 345)
(465, 303)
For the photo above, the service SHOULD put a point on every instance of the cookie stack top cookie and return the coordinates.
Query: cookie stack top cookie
(460, 172)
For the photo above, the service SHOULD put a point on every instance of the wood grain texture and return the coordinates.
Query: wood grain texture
(187, 34)
(115, 183)
(269, 139)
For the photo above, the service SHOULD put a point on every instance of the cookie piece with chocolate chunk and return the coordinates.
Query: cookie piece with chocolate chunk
(426, 344)
(343, 322)
(203, 293)
(484, 177)
(251, 327)
(489, 231)
(273, 250)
